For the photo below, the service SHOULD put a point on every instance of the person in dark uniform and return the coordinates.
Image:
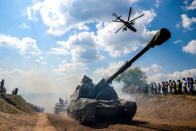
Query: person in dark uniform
(159, 88)
(15, 91)
(191, 83)
(170, 87)
(174, 87)
(163, 87)
(179, 91)
(166, 87)
(155, 87)
(2, 87)
(184, 86)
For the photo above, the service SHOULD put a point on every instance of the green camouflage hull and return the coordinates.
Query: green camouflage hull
(90, 110)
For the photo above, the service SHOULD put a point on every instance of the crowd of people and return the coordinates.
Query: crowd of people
(184, 86)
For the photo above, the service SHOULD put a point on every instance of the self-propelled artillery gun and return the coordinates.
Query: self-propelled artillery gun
(91, 103)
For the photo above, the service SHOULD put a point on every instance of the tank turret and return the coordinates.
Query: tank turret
(91, 102)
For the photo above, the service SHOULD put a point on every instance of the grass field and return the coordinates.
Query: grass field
(14, 104)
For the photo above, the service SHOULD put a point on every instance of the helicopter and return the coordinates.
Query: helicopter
(126, 24)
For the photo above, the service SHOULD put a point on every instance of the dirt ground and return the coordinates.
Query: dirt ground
(158, 113)
(17, 122)
(173, 113)
(171, 110)
(43, 124)
(64, 123)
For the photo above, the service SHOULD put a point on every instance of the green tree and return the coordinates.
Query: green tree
(132, 77)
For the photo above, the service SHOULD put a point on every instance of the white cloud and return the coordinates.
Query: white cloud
(145, 69)
(158, 78)
(83, 28)
(187, 22)
(105, 72)
(178, 25)
(153, 68)
(178, 41)
(157, 3)
(59, 51)
(63, 15)
(86, 46)
(100, 73)
(68, 68)
(32, 11)
(24, 26)
(192, 6)
(173, 76)
(186, 2)
(26, 46)
(41, 59)
(190, 47)
(82, 47)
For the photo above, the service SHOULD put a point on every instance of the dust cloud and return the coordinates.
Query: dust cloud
(42, 89)
(118, 88)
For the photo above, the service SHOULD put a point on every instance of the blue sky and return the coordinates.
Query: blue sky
(46, 47)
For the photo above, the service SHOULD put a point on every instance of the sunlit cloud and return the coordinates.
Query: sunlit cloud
(190, 47)
(187, 22)
(173, 76)
(192, 6)
(61, 16)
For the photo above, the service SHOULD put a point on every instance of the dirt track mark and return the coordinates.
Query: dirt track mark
(64, 123)
(43, 124)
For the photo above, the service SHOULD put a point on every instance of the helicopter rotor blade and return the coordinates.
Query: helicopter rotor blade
(116, 21)
(129, 13)
(136, 17)
(119, 28)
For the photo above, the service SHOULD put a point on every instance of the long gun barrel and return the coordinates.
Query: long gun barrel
(159, 38)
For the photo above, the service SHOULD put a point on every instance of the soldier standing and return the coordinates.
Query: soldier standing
(194, 86)
(155, 87)
(145, 89)
(2, 88)
(163, 87)
(179, 87)
(184, 86)
(166, 87)
(151, 88)
(170, 86)
(191, 82)
(15, 91)
(159, 88)
(188, 84)
(174, 87)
